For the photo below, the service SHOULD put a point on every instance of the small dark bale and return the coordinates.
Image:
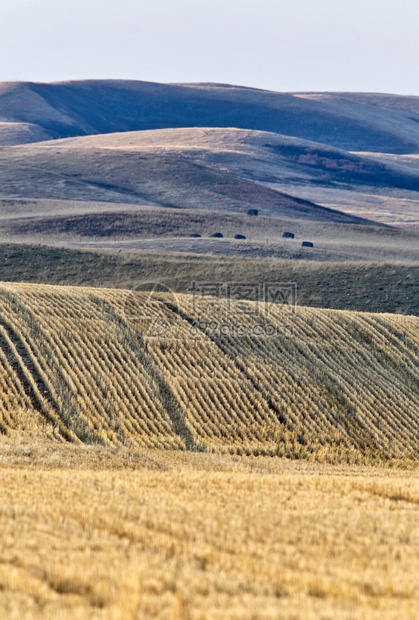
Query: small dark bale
(288, 235)
(238, 236)
(307, 244)
(195, 235)
(218, 235)
(252, 212)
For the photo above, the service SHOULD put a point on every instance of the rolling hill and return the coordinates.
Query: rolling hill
(141, 176)
(152, 190)
(262, 156)
(299, 157)
(137, 370)
(356, 122)
(152, 372)
(305, 162)
(199, 169)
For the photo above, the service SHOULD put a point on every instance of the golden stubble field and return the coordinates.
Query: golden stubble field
(114, 368)
(196, 536)
(150, 468)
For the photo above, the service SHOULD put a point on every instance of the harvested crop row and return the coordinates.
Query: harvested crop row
(104, 366)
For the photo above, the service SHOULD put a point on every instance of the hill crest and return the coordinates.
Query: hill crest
(345, 120)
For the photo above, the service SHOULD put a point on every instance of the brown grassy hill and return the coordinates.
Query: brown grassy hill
(207, 169)
(378, 187)
(265, 156)
(142, 175)
(21, 106)
(345, 120)
(219, 171)
(21, 133)
(180, 372)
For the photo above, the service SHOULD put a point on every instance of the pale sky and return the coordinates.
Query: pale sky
(282, 45)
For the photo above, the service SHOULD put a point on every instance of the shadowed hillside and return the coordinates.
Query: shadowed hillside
(348, 121)
(216, 170)
(62, 170)
(139, 370)
(367, 287)
(207, 147)
(200, 160)
(262, 156)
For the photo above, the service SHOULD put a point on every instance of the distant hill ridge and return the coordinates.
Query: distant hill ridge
(31, 112)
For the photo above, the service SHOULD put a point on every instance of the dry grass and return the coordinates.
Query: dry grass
(159, 187)
(21, 133)
(391, 207)
(363, 286)
(140, 471)
(120, 370)
(150, 177)
(361, 121)
(207, 169)
(393, 251)
(208, 537)
(128, 227)
(156, 462)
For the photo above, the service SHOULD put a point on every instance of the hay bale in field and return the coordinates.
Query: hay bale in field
(238, 236)
(288, 235)
(195, 235)
(218, 235)
(307, 244)
(252, 212)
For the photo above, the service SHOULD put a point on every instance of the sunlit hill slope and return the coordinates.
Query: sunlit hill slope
(353, 121)
(124, 369)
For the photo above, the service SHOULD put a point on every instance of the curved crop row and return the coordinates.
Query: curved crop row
(149, 371)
